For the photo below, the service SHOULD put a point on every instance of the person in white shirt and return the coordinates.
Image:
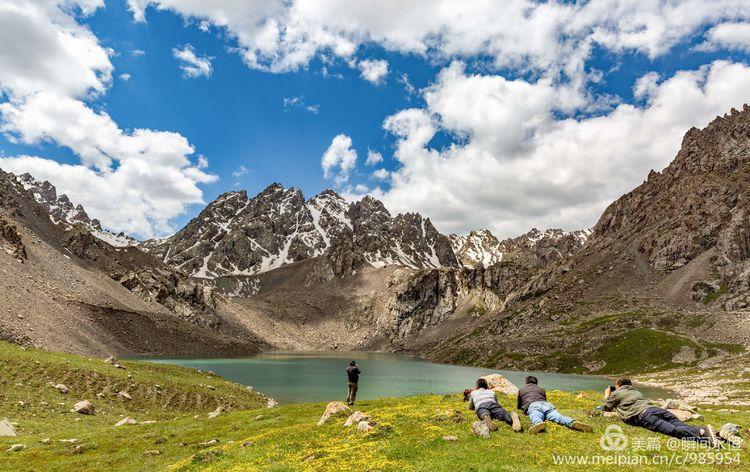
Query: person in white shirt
(484, 401)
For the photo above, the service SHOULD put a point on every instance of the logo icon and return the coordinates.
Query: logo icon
(613, 439)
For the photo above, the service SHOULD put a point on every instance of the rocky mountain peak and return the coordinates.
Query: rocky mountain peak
(238, 236)
(531, 249)
(61, 209)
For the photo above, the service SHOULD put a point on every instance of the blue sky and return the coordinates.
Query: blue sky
(491, 134)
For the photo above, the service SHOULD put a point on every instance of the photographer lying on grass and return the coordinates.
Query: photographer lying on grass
(634, 409)
(532, 399)
(484, 401)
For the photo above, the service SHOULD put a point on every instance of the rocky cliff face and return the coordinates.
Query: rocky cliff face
(241, 236)
(699, 202)
(532, 249)
(10, 240)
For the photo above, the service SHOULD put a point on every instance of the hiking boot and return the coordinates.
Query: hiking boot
(728, 433)
(538, 428)
(516, 424)
(578, 426)
(490, 424)
(708, 434)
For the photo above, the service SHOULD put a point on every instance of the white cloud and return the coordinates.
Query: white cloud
(299, 102)
(125, 77)
(542, 170)
(380, 174)
(544, 37)
(339, 159)
(138, 53)
(373, 71)
(373, 158)
(241, 170)
(147, 174)
(646, 85)
(42, 48)
(408, 87)
(728, 35)
(51, 67)
(191, 64)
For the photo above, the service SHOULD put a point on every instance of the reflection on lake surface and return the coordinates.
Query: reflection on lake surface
(295, 377)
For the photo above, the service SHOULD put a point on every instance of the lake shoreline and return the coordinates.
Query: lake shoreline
(318, 376)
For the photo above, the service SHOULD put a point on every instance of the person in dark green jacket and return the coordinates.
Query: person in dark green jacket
(633, 408)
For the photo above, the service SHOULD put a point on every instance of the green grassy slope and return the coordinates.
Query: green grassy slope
(251, 437)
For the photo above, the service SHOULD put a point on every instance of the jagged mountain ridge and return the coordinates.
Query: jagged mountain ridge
(533, 248)
(239, 236)
(62, 209)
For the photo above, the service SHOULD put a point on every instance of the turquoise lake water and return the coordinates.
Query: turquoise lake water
(296, 377)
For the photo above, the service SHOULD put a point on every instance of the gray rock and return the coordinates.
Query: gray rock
(84, 407)
(219, 410)
(126, 421)
(16, 448)
(7, 429)
(480, 429)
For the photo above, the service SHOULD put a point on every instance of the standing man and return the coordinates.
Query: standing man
(353, 373)
(532, 400)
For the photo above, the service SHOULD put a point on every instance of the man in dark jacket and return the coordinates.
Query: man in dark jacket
(532, 399)
(633, 408)
(352, 373)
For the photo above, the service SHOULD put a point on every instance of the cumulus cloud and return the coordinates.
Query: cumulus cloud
(339, 159)
(646, 85)
(373, 71)
(125, 77)
(549, 37)
(542, 170)
(52, 68)
(148, 174)
(380, 174)
(728, 35)
(42, 48)
(373, 158)
(191, 64)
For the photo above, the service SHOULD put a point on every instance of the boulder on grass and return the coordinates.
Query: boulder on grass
(219, 410)
(84, 407)
(365, 426)
(16, 448)
(480, 429)
(62, 388)
(333, 409)
(355, 418)
(500, 384)
(7, 429)
(126, 420)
